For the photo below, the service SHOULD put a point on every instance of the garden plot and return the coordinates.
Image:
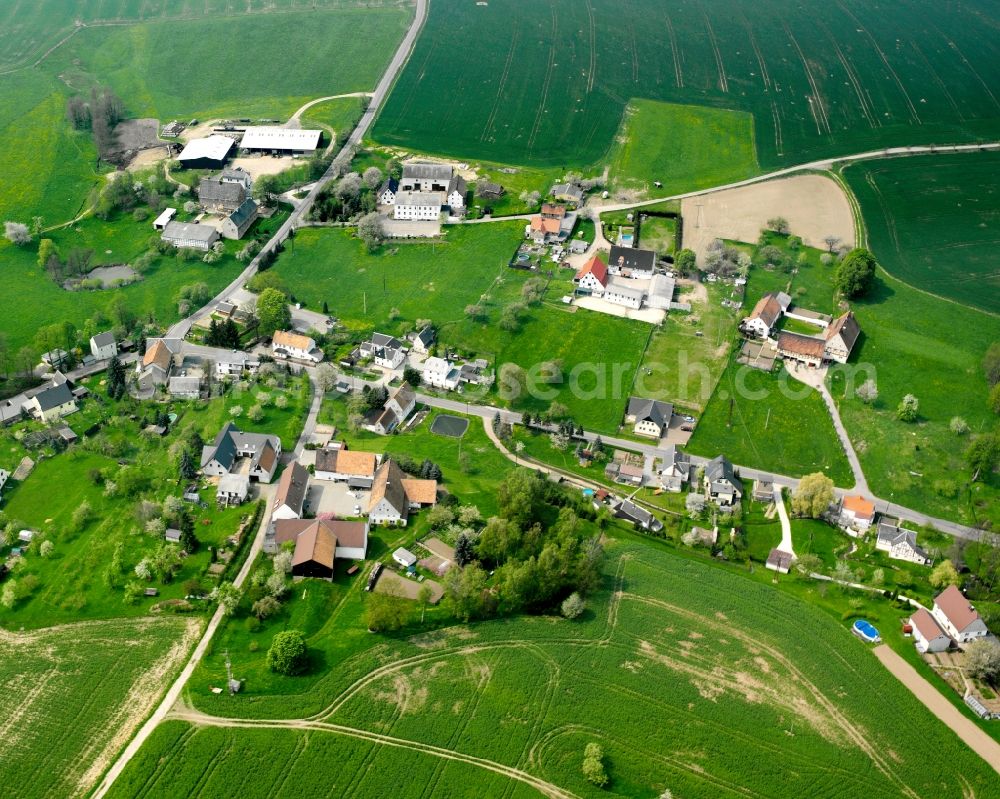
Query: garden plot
(815, 207)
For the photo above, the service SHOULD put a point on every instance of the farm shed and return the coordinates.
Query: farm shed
(404, 558)
(287, 140)
(190, 235)
(208, 153)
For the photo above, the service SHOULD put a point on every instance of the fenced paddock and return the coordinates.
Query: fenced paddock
(450, 426)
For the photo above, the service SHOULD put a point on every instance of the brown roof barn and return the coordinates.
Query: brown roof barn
(346, 461)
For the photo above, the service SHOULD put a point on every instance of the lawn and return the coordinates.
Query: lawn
(771, 695)
(75, 694)
(658, 233)
(770, 421)
(547, 84)
(73, 582)
(932, 222)
(684, 147)
(403, 282)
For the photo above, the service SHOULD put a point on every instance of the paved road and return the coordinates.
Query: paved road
(343, 158)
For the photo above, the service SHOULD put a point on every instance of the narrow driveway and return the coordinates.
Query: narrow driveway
(786, 525)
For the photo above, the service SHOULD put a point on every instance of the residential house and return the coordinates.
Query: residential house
(675, 469)
(801, 348)
(424, 340)
(632, 262)
(624, 473)
(779, 561)
(286, 344)
(233, 489)
(291, 494)
(928, 635)
(156, 366)
(440, 373)
(553, 224)
(899, 543)
(841, 336)
(386, 194)
(631, 512)
(236, 175)
(856, 514)
(958, 617)
(215, 194)
(765, 314)
(240, 220)
(763, 491)
(649, 417)
(592, 277)
(231, 444)
(455, 194)
(318, 543)
(355, 468)
(190, 235)
(722, 486)
(385, 351)
(53, 402)
(103, 346)
(475, 372)
(184, 387)
(236, 363)
(400, 404)
(568, 192)
(388, 504)
(417, 206)
(404, 558)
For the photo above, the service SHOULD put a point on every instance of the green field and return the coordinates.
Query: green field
(74, 695)
(933, 222)
(438, 280)
(684, 147)
(772, 422)
(548, 83)
(692, 678)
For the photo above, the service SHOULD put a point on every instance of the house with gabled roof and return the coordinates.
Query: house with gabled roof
(386, 351)
(857, 513)
(103, 346)
(958, 617)
(649, 417)
(631, 262)
(766, 314)
(216, 194)
(801, 348)
(899, 543)
(233, 489)
(928, 634)
(157, 364)
(291, 494)
(240, 220)
(53, 402)
(399, 405)
(288, 344)
(631, 512)
(219, 457)
(386, 194)
(568, 192)
(353, 467)
(388, 504)
(440, 373)
(592, 277)
(424, 340)
(351, 538)
(722, 486)
(841, 336)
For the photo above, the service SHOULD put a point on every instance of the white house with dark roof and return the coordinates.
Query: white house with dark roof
(103, 346)
(441, 373)
(958, 617)
(722, 486)
(631, 262)
(291, 494)
(398, 407)
(386, 194)
(649, 417)
(218, 458)
(899, 543)
(424, 340)
(53, 402)
(385, 351)
(240, 220)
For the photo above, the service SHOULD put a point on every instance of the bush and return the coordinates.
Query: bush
(288, 653)
(593, 765)
(573, 606)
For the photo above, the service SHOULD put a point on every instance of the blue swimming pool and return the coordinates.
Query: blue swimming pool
(865, 631)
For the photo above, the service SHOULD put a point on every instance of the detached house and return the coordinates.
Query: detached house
(219, 457)
(291, 494)
(957, 616)
(857, 513)
(385, 351)
(103, 346)
(285, 344)
(722, 486)
(766, 314)
(424, 340)
(592, 278)
(649, 417)
(899, 543)
(156, 366)
(240, 220)
(631, 262)
(53, 402)
(440, 373)
(394, 495)
(396, 410)
(553, 224)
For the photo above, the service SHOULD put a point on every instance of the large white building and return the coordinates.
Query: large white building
(424, 191)
(957, 616)
(190, 235)
(421, 206)
(285, 140)
(294, 345)
(440, 373)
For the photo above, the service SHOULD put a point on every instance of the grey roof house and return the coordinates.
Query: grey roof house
(239, 221)
(650, 417)
(190, 235)
(722, 485)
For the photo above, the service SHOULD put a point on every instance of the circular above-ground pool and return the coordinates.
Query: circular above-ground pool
(523, 257)
(451, 426)
(865, 631)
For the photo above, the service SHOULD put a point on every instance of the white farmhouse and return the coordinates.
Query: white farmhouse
(417, 206)
(592, 278)
(285, 344)
(620, 293)
(958, 618)
(103, 346)
(440, 373)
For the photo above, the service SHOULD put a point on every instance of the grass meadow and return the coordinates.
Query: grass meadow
(438, 280)
(932, 222)
(548, 83)
(73, 695)
(684, 147)
(721, 684)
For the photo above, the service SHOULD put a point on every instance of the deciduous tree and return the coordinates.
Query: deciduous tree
(813, 495)
(288, 653)
(856, 273)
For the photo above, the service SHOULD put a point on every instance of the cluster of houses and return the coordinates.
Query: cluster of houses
(422, 192)
(552, 225)
(226, 199)
(832, 343)
(49, 402)
(630, 279)
(237, 459)
(857, 515)
(951, 620)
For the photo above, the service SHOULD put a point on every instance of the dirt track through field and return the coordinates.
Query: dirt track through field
(976, 739)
